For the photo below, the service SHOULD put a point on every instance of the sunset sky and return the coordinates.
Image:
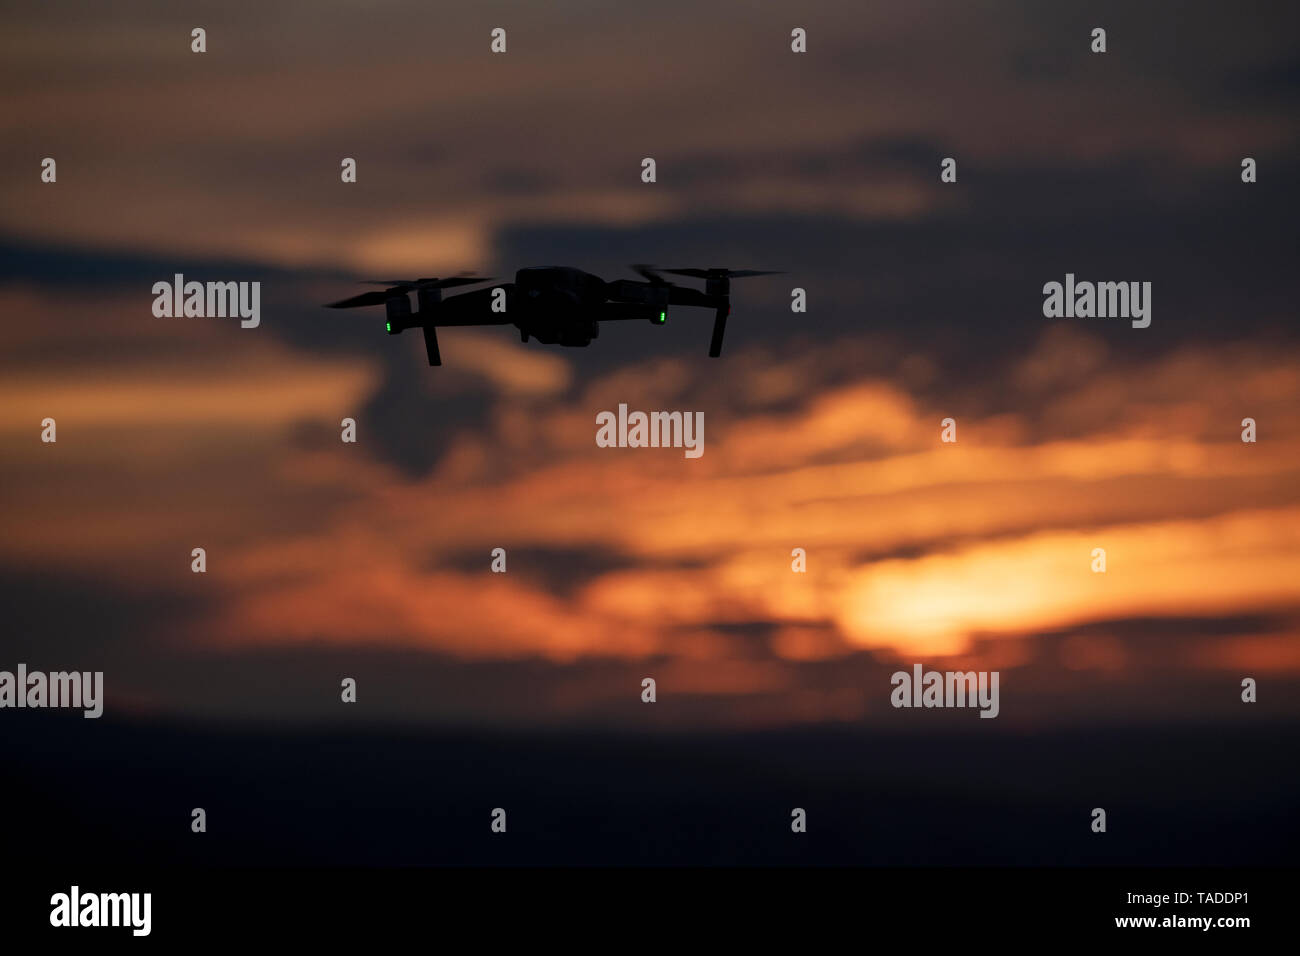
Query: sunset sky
(822, 429)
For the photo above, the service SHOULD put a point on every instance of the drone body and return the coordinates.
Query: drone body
(556, 305)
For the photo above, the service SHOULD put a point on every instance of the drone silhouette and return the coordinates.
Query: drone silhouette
(556, 305)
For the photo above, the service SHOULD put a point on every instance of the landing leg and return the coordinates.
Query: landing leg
(719, 327)
(431, 344)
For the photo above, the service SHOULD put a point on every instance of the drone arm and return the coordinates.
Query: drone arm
(680, 295)
(614, 311)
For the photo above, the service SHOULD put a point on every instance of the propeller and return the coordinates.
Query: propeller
(652, 273)
(401, 287)
(721, 273)
(365, 298)
(432, 282)
(648, 273)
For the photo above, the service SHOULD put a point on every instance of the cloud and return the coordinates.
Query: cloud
(237, 151)
(512, 370)
(915, 547)
(939, 603)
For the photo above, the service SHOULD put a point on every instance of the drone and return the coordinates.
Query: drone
(556, 305)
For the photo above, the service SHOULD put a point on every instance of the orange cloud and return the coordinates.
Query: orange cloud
(914, 548)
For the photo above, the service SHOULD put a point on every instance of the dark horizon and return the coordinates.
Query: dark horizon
(410, 796)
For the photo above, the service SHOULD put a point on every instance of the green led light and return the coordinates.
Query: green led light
(388, 326)
(663, 316)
